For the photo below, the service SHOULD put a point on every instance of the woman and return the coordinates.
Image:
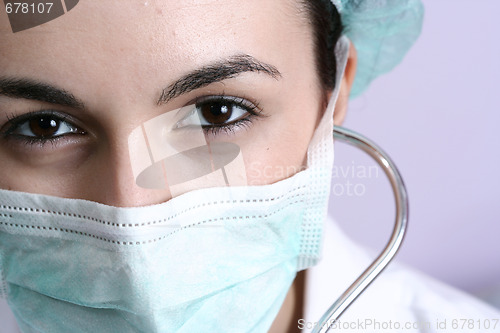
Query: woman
(210, 119)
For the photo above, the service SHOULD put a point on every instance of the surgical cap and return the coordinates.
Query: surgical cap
(382, 32)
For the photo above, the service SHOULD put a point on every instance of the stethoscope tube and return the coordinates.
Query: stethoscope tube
(390, 250)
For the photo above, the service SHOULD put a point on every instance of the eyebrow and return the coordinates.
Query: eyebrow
(216, 72)
(29, 89)
(34, 90)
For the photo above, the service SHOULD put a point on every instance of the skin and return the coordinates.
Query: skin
(117, 58)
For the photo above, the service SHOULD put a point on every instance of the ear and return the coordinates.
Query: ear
(345, 88)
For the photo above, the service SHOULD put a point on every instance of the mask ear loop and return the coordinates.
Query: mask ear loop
(3, 283)
(401, 197)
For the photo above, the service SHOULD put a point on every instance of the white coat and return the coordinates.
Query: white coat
(399, 300)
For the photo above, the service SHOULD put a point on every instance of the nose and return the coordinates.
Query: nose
(111, 181)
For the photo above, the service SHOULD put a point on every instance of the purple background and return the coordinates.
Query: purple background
(437, 115)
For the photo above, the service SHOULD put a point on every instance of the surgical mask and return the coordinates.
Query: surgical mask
(218, 259)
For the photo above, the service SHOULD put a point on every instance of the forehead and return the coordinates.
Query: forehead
(137, 38)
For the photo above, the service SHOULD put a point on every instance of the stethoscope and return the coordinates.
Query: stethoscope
(363, 281)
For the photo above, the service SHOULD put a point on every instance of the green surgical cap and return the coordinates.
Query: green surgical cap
(382, 32)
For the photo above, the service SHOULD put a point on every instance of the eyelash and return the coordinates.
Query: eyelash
(15, 122)
(252, 108)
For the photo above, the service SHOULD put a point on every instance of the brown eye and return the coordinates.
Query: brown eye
(44, 126)
(216, 113)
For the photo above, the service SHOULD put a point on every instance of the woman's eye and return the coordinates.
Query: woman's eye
(45, 127)
(219, 113)
(41, 127)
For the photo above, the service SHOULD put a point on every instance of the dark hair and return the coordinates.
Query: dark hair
(327, 29)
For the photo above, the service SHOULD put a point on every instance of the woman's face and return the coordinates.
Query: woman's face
(75, 88)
